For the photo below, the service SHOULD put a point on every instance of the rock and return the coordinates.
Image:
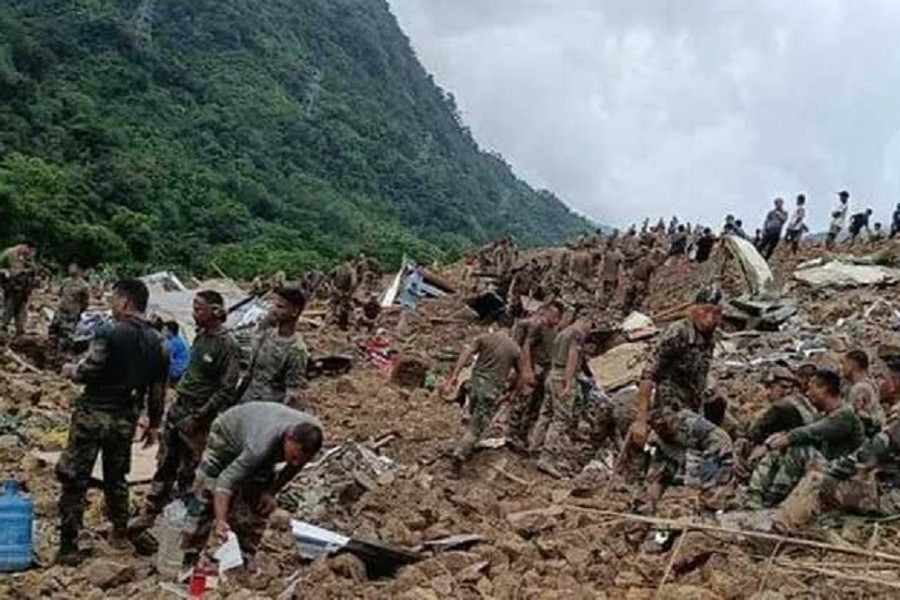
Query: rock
(686, 592)
(9, 442)
(443, 585)
(280, 520)
(410, 372)
(349, 567)
(345, 386)
(106, 574)
(23, 392)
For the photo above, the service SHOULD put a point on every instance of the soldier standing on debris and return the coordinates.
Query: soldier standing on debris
(74, 297)
(126, 365)
(344, 283)
(791, 453)
(18, 278)
(236, 483)
(678, 373)
(788, 410)
(559, 416)
(207, 389)
(838, 219)
(639, 283)
(797, 227)
(609, 273)
(772, 227)
(863, 393)
(535, 337)
(277, 371)
(495, 371)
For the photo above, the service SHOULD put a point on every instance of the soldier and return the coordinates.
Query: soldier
(789, 408)
(678, 373)
(74, 297)
(236, 483)
(559, 416)
(277, 371)
(126, 365)
(863, 393)
(497, 361)
(535, 337)
(609, 274)
(206, 390)
(18, 278)
(580, 267)
(791, 453)
(344, 283)
(639, 283)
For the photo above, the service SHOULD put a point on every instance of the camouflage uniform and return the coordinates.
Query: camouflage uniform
(783, 415)
(679, 370)
(207, 388)
(126, 359)
(610, 272)
(74, 297)
(639, 284)
(278, 370)
(864, 398)
(345, 282)
(18, 283)
(527, 409)
(497, 356)
(829, 438)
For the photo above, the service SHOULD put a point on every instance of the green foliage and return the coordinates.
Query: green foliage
(259, 134)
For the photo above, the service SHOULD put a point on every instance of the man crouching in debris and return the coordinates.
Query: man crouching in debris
(792, 453)
(127, 363)
(236, 483)
(495, 370)
(678, 373)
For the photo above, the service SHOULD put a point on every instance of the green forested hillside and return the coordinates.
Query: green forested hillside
(259, 134)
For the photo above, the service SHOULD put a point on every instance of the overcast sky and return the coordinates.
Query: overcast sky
(632, 108)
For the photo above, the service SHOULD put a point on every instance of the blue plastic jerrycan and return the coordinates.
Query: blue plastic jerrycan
(16, 518)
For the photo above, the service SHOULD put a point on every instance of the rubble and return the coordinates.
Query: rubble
(839, 274)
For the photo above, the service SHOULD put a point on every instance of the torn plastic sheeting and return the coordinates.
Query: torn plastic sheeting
(314, 542)
(165, 279)
(840, 275)
(432, 286)
(754, 267)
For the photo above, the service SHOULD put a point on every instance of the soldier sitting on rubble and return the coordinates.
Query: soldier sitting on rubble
(789, 408)
(863, 394)
(792, 453)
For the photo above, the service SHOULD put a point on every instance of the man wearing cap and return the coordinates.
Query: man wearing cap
(789, 409)
(236, 484)
(772, 228)
(677, 374)
(792, 453)
(207, 389)
(838, 219)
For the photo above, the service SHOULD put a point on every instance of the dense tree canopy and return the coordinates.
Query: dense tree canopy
(256, 134)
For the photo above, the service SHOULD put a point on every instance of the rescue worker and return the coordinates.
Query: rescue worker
(278, 361)
(535, 338)
(344, 284)
(838, 219)
(677, 373)
(495, 371)
(862, 394)
(639, 283)
(791, 453)
(236, 483)
(18, 278)
(126, 366)
(208, 388)
(609, 274)
(771, 233)
(74, 297)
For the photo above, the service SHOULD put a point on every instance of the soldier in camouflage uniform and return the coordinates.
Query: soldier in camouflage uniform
(863, 394)
(207, 389)
(535, 337)
(126, 365)
(792, 453)
(497, 358)
(277, 371)
(236, 483)
(639, 283)
(609, 271)
(866, 481)
(559, 414)
(344, 283)
(74, 297)
(18, 278)
(678, 374)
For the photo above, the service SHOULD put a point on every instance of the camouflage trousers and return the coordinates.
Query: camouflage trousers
(524, 414)
(779, 472)
(484, 401)
(818, 492)
(15, 310)
(62, 333)
(706, 449)
(179, 456)
(635, 294)
(92, 433)
(341, 307)
(560, 416)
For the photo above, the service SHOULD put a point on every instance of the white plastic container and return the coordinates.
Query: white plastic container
(167, 532)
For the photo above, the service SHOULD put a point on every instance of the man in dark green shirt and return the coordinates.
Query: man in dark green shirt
(837, 434)
(208, 388)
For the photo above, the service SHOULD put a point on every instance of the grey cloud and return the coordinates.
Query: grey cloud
(628, 108)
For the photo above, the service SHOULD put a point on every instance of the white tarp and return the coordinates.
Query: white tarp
(756, 269)
(839, 274)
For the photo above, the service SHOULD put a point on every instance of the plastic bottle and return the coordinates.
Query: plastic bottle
(16, 519)
(168, 530)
